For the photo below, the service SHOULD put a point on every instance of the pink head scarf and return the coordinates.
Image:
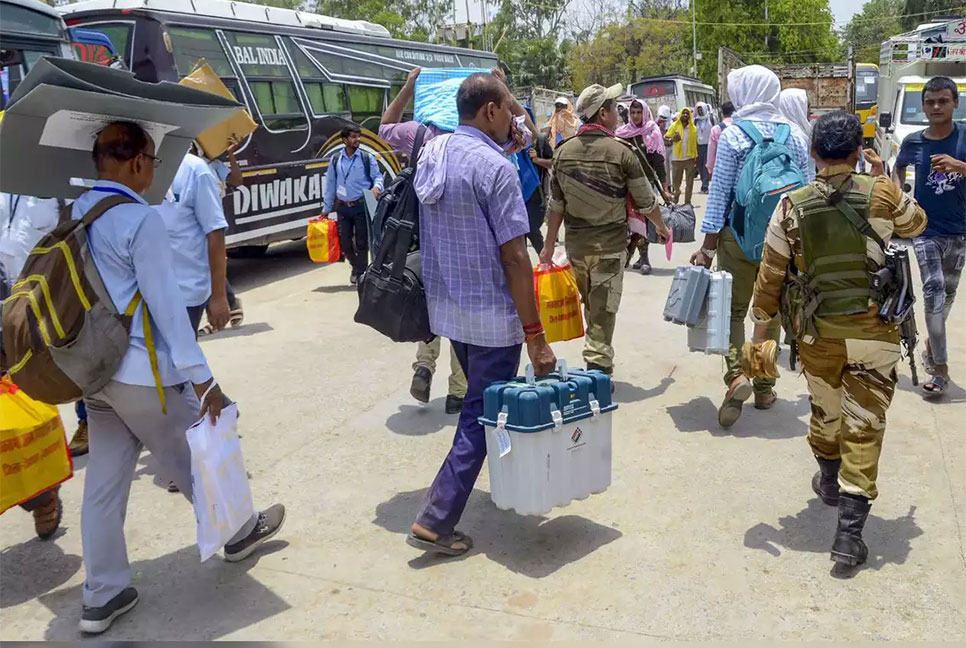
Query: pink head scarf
(649, 131)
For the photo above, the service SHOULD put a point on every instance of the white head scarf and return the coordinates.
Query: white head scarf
(754, 90)
(793, 103)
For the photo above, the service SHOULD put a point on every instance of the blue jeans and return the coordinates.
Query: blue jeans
(81, 411)
(454, 482)
(941, 260)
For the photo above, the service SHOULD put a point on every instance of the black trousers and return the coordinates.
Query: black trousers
(535, 212)
(354, 235)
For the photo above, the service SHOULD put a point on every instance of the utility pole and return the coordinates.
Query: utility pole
(767, 27)
(694, 39)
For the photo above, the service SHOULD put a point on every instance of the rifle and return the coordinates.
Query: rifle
(893, 283)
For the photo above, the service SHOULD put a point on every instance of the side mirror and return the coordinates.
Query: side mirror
(885, 120)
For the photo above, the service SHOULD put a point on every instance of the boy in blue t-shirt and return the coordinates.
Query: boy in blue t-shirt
(939, 156)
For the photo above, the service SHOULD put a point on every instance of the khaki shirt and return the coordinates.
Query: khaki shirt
(593, 174)
(891, 213)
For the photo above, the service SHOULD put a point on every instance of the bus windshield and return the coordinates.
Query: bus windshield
(866, 88)
(913, 114)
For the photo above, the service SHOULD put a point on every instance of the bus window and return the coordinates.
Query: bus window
(191, 45)
(23, 21)
(365, 102)
(264, 65)
(335, 100)
(120, 35)
(323, 97)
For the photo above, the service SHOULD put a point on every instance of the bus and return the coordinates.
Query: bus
(867, 98)
(29, 31)
(673, 90)
(302, 77)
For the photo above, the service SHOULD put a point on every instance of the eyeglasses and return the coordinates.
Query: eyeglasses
(156, 161)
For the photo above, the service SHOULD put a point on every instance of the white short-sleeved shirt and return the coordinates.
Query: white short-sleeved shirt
(191, 211)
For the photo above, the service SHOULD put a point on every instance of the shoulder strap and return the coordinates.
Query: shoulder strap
(417, 144)
(862, 224)
(751, 131)
(102, 206)
(65, 212)
(781, 133)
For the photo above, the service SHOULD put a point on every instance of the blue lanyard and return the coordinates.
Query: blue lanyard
(119, 192)
(348, 167)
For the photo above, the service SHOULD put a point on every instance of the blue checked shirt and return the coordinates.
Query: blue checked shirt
(480, 209)
(733, 148)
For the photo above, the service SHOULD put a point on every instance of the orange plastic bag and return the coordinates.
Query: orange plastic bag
(33, 447)
(323, 241)
(558, 302)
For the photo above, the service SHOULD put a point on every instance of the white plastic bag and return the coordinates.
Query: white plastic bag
(219, 482)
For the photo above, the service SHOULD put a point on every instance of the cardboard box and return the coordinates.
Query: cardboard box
(215, 140)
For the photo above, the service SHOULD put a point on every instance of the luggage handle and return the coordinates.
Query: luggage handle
(562, 369)
(531, 376)
(556, 416)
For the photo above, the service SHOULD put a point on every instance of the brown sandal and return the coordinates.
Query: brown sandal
(48, 516)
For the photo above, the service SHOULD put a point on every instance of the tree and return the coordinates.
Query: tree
(796, 31)
(410, 19)
(915, 12)
(878, 21)
(625, 51)
(527, 38)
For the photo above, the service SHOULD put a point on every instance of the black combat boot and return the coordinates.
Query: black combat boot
(645, 267)
(848, 547)
(825, 483)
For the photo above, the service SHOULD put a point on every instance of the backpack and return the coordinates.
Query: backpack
(769, 171)
(395, 198)
(391, 295)
(62, 336)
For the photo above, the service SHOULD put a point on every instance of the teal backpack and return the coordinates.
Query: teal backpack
(769, 171)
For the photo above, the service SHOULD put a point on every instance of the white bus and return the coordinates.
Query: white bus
(673, 90)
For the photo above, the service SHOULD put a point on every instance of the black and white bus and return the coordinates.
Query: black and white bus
(302, 77)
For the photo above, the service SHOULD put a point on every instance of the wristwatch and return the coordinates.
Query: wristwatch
(708, 253)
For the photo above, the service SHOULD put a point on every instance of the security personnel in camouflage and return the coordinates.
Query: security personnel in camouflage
(593, 173)
(824, 242)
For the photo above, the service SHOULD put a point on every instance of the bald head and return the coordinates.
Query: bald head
(124, 153)
(483, 102)
(120, 142)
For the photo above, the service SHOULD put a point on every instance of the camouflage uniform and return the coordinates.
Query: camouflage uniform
(850, 363)
(592, 175)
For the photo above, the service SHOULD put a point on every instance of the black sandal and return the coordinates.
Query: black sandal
(443, 544)
(936, 386)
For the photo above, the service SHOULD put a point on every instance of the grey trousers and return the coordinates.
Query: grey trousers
(121, 420)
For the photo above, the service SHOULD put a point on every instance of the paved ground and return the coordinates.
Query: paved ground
(704, 534)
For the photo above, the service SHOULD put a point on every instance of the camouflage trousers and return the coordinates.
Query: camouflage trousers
(744, 273)
(851, 383)
(600, 280)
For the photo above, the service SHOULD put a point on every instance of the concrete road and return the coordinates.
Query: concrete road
(704, 533)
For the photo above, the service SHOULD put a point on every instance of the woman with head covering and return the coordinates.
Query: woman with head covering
(793, 104)
(684, 157)
(645, 135)
(704, 123)
(563, 123)
(754, 89)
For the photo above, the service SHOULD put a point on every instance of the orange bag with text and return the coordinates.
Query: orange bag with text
(33, 447)
(558, 302)
(323, 241)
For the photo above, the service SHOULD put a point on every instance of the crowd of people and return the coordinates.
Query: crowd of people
(485, 190)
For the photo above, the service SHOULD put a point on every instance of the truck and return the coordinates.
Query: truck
(830, 86)
(906, 63)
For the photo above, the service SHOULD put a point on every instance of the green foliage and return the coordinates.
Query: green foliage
(282, 4)
(624, 52)
(784, 39)
(878, 21)
(526, 37)
(916, 12)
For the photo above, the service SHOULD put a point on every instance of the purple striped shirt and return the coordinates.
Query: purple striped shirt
(476, 207)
